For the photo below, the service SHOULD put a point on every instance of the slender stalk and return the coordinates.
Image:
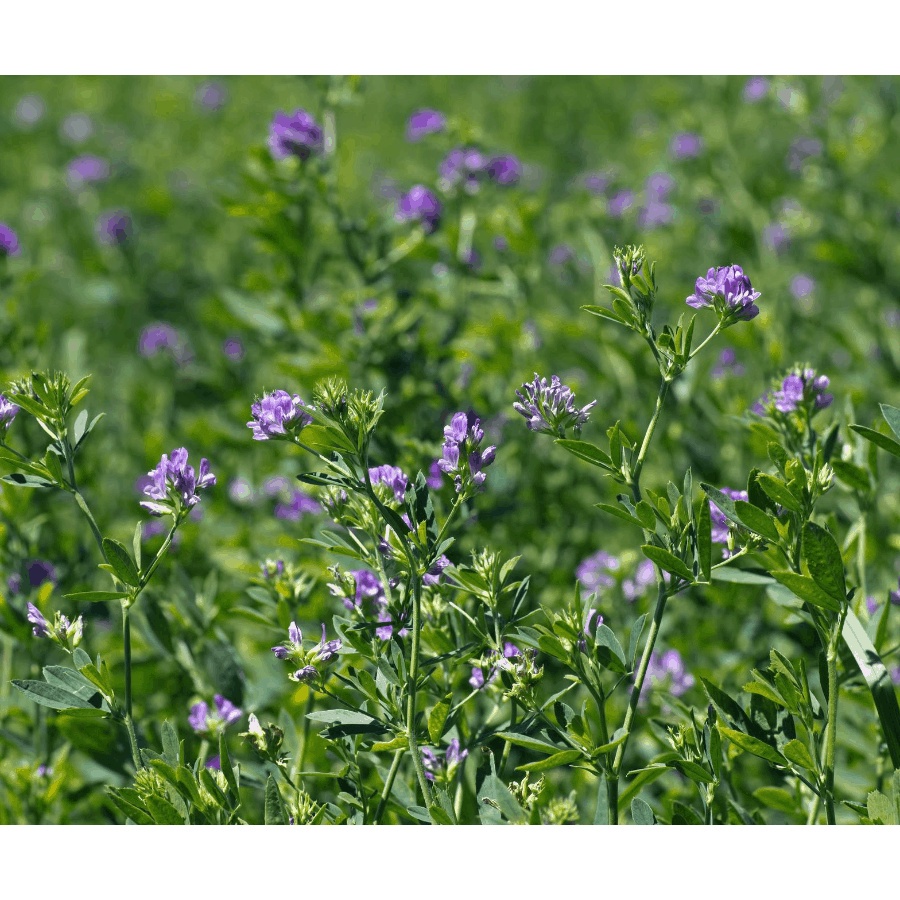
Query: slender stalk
(388, 785)
(129, 719)
(712, 334)
(512, 721)
(661, 598)
(412, 689)
(814, 810)
(831, 725)
(307, 709)
(635, 479)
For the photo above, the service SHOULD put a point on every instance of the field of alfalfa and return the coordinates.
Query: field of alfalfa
(449, 450)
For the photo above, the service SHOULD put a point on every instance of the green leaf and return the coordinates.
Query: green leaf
(892, 417)
(641, 812)
(30, 481)
(96, 596)
(778, 491)
(563, 758)
(823, 557)
(499, 798)
(226, 767)
(528, 742)
(692, 770)
(275, 811)
(162, 811)
(171, 747)
(619, 513)
(137, 815)
(437, 718)
(122, 563)
(606, 638)
(879, 439)
(752, 745)
(798, 754)
(777, 798)
(71, 681)
(807, 589)
(56, 697)
(756, 520)
(604, 313)
(852, 475)
(588, 452)
(667, 561)
(878, 680)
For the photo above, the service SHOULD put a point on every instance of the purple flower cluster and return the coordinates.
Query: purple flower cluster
(801, 388)
(174, 484)
(620, 203)
(550, 408)
(462, 457)
(419, 204)
(755, 89)
(276, 415)
(207, 722)
(446, 766)
(308, 660)
(686, 145)
(729, 291)
(478, 680)
(297, 134)
(9, 241)
(211, 96)
(463, 167)
(717, 517)
(393, 477)
(8, 412)
(424, 122)
(644, 576)
(593, 573)
(114, 228)
(728, 364)
(505, 169)
(299, 505)
(64, 632)
(668, 669)
(162, 336)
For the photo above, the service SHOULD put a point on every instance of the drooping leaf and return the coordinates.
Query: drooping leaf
(823, 558)
(121, 562)
(641, 812)
(668, 562)
(752, 745)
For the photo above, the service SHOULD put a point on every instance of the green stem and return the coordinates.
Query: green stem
(612, 798)
(712, 334)
(129, 718)
(831, 725)
(635, 479)
(307, 709)
(505, 757)
(661, 598)
(412, 688)
(389, 785)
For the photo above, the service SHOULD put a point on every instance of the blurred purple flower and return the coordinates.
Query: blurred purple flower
(462, 166)
(594, 572)
(660, 185)
(9, 241)
(728, 364)
(29, 110)
(419, 204)
(424, 122)
(88, 169)
(801, 150)
(211, 96)
(39, 571)
(644, 576)
(300, 504)
(114, 228)
(668, 669)
(14, 583)
(717, 517)
(686, 145)
(233, 348)
(204, 721)
(596, 182)
(776, 237)
(156, 337)
(434, 574)
(77, 128)
(619, 203)
(434, 479)
(240, 491)
(297, 134)
(802, 286)
(655, 214)
(560, 255)
(393, 477)
(41, 625)
(755, 89)
(8, 412)
(504, 169)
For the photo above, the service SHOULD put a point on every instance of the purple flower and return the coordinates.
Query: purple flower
(728, 289)
(802, 286)
(214, 762)
(211, 96)
(504, 169)
(114, 228)
(297, 134)
(424, 122)
(462, 457)
(277, 414)
(668, 668)
(463, 166)
(717, 517)
(894, 596)
(233, 348)
(206, 722)
(8, 412)
(560, 255)
(307, 673)
(477, 679)
(659, 186)
(895, 675)
(443, 768)
(655, 214)
(619, 203)
(41, 625)
(156, 337)
(755, 89)
(434, 480)
(686, 145)
(433, 575)
(801, 386)
(300, 504)
(87, 169)
(174, 484)
(871, 605)
(240, 491)
(776, 237)
(644, 576)
(596, 182)
(9, 241)
(419, 204)
(593, 572)
(326, 650)
(550, 408)
(393, 477)
(39, 571)
(368, 588)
